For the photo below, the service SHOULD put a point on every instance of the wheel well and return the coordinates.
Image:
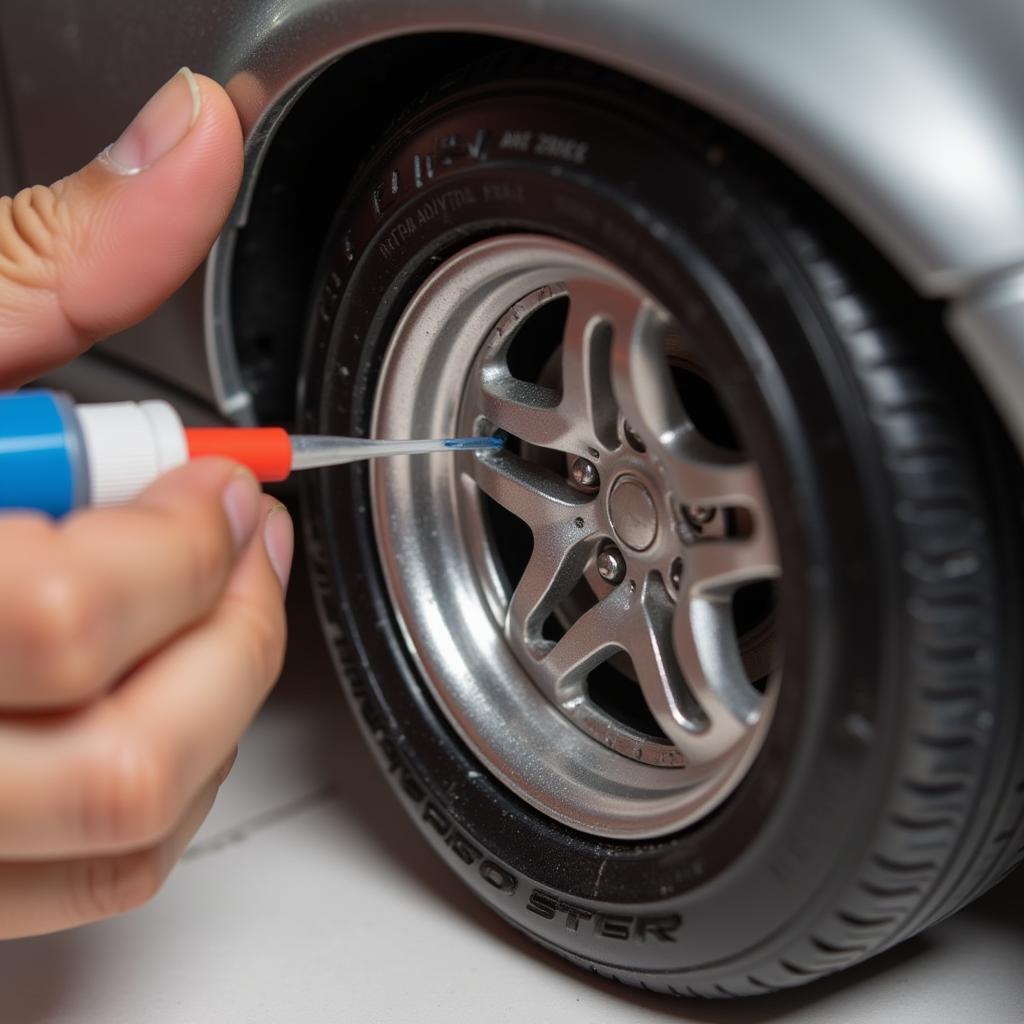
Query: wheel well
(315, 153)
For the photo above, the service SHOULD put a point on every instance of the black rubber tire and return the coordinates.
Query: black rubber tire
(890, 789)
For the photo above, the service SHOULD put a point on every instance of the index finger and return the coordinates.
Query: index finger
(84, 600)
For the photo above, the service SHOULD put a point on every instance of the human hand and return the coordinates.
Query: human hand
(136, 643)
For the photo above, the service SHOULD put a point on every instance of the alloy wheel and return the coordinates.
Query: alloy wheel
(593, 606)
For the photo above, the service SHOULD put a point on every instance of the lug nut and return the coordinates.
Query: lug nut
(699, 515)
(584, 473)
(675, 573)
(611, 566)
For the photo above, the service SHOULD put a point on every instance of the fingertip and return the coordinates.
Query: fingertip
(279, 541)
(218, 126)
(216, 101)
(242, 500)
(136, 235)
(262, 571)
(189, 111)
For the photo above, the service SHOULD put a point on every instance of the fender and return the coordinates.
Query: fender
(906, 116)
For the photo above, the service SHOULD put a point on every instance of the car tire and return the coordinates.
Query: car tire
(886, 787)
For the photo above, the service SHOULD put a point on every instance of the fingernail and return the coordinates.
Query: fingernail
(279, 539)
(241, 500)
(158, 127)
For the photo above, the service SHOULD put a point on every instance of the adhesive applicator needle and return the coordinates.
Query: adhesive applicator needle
(272, 453)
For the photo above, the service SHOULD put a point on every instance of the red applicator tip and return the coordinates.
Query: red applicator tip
(267, 451)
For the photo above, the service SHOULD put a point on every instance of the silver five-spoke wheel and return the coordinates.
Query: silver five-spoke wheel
(592, 607)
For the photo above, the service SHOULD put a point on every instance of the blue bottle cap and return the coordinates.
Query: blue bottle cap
(41, 456)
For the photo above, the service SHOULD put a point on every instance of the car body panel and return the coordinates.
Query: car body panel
(905, 116)
(990, 325)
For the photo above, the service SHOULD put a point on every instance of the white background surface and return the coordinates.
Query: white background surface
(307, 897)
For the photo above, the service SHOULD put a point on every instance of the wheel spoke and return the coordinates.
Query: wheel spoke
(587, 395)
(677, 693)
(560, 552)
(642, 383)
(656, 668)
(708, 656)
(586, 410)
(524, 410)
(590, 640)
(700, 472)
(717, 566)
(704, 634)
(532, 493)
(706, 474)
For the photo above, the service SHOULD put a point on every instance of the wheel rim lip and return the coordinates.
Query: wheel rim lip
(533, 748)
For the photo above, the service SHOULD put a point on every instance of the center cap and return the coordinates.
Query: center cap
(633, 513)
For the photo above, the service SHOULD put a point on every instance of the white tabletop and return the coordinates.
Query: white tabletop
(307, 897)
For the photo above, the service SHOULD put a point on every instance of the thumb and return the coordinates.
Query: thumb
(99, 250)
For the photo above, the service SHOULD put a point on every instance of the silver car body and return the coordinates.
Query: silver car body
(905, 115)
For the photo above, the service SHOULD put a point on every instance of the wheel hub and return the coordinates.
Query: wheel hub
(633, 513)
(613, 607)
